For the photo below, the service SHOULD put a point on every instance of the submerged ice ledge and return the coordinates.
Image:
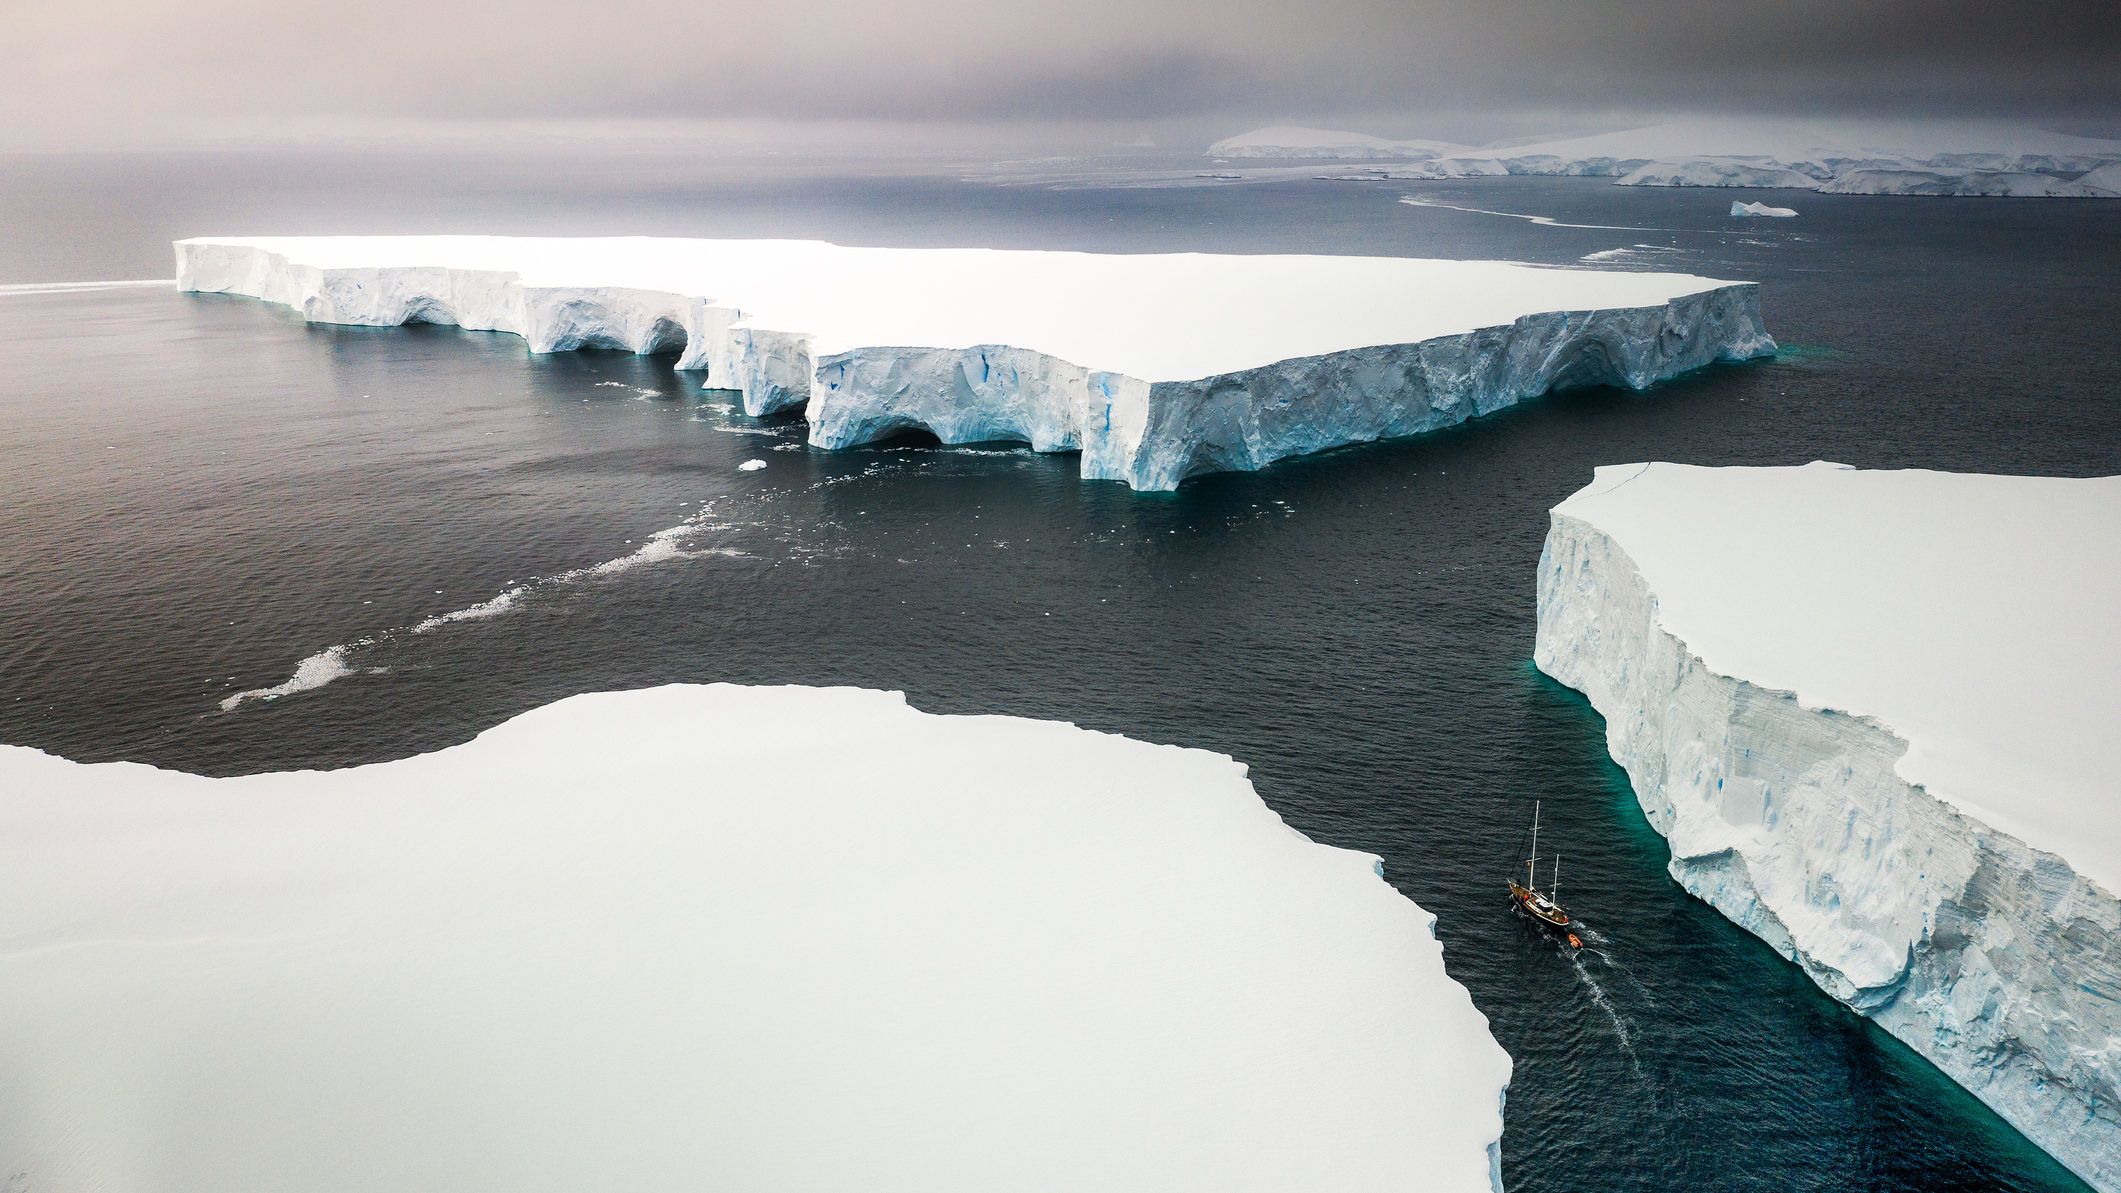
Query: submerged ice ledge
(1871, 713)
(1154, 367)
(659, 939)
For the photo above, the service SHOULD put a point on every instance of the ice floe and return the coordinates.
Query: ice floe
(720, 937)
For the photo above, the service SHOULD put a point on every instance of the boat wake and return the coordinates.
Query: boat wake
(1595, 943)
(1598, 997)
(1619, 1022)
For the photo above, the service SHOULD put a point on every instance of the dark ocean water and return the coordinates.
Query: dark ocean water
(201, 492)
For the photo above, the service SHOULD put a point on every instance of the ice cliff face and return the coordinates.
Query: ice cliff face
(1236, 384)
(1154, 435)
(1967, 183)
(1718, 172)
(1248, 420)
(1998, 962)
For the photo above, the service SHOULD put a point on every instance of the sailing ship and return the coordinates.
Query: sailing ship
(1542, 909)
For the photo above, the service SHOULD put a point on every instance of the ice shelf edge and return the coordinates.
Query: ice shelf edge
(1982, 954)
(1151, 436)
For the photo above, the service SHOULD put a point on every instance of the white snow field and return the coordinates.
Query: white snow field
(1874, 713)
(659, 939)
(1742, 210)
(1154, 367)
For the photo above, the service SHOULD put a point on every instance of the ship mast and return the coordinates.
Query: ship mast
(1554, 892)
(1531, 882)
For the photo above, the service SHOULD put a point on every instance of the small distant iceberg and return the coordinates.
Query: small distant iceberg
(1743, 209)
(1154, 367)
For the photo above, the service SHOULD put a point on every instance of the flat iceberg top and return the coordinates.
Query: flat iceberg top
(1977, 617)
(1717, 172)
(720, 938)
(1153, 317)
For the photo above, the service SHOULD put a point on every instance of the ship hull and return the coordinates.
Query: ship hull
(1548, 916)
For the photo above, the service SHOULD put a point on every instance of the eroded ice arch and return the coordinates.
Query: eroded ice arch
(1155, 367)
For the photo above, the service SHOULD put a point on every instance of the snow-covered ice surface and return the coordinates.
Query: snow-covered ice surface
(1970, 183)
(1718, 172)
(1873, 714)
(1820, 148)
(1155, 367)
(1743, 210)
(2105, 178)
(659, 939)
(31, 289)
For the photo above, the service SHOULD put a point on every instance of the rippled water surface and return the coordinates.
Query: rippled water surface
(408, 535)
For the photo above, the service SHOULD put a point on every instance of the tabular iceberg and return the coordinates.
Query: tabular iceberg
(1872, 712)
(660, 939)
(1154, 367)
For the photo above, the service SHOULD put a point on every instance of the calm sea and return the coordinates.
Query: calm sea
(416, 533)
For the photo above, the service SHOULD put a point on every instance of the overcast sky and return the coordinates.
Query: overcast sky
(128, 72)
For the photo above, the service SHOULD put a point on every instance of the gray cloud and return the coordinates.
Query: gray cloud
(141, 70)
